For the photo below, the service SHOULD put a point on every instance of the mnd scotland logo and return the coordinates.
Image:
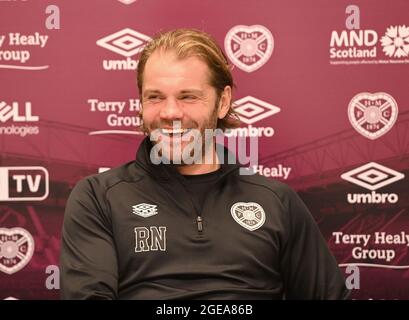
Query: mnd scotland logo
(356, 45)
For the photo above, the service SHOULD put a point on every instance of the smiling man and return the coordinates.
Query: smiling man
(173, 229)
(180, 93)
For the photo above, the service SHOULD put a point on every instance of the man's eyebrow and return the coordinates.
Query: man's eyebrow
(194, 91)
(150, 91)
(184, 91)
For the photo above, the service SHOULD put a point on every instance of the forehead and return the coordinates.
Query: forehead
(166, 69)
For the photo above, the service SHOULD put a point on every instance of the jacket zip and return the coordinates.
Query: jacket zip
(199, 221)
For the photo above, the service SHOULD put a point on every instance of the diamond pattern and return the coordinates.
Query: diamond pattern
(126, 42)
(372, 176)
(251, 110)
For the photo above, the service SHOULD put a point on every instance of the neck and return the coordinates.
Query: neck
(200, 168)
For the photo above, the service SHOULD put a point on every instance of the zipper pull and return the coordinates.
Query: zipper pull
(199, 223)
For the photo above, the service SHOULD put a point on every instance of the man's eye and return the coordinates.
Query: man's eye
(153, 98)
(189, 97)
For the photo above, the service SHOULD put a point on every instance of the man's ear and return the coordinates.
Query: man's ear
(224, 102)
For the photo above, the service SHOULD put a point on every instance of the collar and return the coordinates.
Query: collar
(166, 172)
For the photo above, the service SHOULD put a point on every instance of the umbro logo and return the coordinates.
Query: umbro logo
(145, 210)
(251, 110)
(372, 176)
(126, 42)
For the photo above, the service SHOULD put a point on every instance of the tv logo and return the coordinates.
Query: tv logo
(23, 183)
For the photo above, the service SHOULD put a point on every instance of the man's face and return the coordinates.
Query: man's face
(178, 90)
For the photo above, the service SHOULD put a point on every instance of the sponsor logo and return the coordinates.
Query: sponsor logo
(23, 183)
(278, 171)
(395, 42)
(365, 46)
(127, 43)
(372, 176)
(251, 110)
(16, 50)
(145, 210)
(249, 47)
(250, 131)
(364, 247)
(249, 215)
(121, 116)
(16, 249)
(372, 114)
(13, 113)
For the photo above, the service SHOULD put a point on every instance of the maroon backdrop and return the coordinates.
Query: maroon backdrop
(324, 85)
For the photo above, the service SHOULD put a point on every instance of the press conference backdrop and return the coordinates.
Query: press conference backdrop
(323, 84)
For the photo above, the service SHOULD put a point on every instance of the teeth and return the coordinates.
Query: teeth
(174, 131)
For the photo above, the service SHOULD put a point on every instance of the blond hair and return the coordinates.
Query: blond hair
(192, 42)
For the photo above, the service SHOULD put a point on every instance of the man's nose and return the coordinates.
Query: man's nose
(171, 110)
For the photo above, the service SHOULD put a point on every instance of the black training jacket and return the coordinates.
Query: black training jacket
(133, 233)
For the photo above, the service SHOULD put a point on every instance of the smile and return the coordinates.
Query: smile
(174, 131)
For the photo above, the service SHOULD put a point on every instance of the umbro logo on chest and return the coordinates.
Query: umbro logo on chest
(145, 210)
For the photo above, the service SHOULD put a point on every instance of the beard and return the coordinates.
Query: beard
(194, 144)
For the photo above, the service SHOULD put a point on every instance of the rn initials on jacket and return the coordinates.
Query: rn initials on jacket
(152, 239)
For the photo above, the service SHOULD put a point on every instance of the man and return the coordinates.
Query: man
(197, 230)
